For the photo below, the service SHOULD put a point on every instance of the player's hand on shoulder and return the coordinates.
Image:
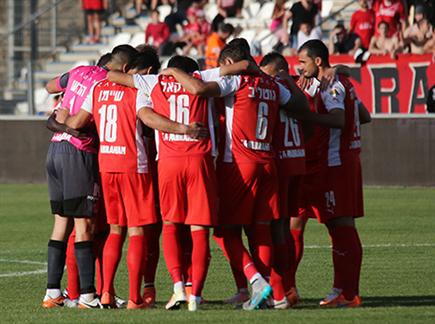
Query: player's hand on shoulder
(61, 115)
(168, 71)
(197, 131)
(328, 78)
(304, 82)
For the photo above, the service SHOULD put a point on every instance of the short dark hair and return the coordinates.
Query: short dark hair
(124, 54)
(225, 28)
(241, 42)
(275, 58)
(184, 63)
(236, 53)
(316, 48)
(383, 22)
(339, 26)
(104, 59)
(151, 56)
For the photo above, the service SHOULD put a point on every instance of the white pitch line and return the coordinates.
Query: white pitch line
(27, 273)
(22, 261)
(23, 273)
(377, 246)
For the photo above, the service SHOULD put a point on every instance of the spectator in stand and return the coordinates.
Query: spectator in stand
(393, 13)
(215, 42)
(279, 24)
(157, 33)
(431, 100)
(362, 23)
(343, 42)
(429, 10)
(226, 9)
(382, 44)
(419, 37)
(179, 16)
(301, 11)
(307, 32)
(150, 5)
(196, 31)
(94, 10)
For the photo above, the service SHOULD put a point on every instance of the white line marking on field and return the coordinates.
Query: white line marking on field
(369, 246)
(312, 247)
(23, 273)
(22, 261)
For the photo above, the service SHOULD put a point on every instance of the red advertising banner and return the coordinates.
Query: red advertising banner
(386, 85)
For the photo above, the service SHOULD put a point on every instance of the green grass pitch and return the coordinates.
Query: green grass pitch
(397, 283)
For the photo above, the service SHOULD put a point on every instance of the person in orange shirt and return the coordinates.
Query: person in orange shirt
(215, 42)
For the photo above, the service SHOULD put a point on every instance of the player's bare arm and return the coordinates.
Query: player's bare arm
(80, 120)
(55, 126)
(194, 86)
(240, 67)
(364, 114)
(297, 107)
(163, 124)
(334, 119)
(121, 78)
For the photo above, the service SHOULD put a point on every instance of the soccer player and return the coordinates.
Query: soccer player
(247, 174)
(126, 181)
(72, 182)
(187, 180)
(339, 192)
(289, 144)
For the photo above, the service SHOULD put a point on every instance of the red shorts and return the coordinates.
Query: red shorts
(248, 193)
(311, 202)
(92, 5)
(129, 199)
(188, 190)
(289, 192)
(344, 192)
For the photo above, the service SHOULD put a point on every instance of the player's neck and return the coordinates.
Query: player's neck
(322, 71)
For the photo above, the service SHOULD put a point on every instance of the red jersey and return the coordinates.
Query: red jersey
(343, 143)
(170, 99)
(114, 108)
(391, 14)
(289, 144)
(362, 23)
(251, 111)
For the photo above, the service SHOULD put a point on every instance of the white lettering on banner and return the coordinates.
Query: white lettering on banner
(258, 146)
(112, 149)
(78, 88)
(291, 154)
(177, 138)
(262, 93)
(106, 94)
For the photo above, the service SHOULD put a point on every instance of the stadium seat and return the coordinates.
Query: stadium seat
(211, 10)
(164, 11)
(251, 10)
(119, 39)
(137, 39)
(326, 8)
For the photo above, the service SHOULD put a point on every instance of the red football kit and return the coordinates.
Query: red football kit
(247, 172)
(123, 161)
(290, 149)
(187, 180)
(362, 23)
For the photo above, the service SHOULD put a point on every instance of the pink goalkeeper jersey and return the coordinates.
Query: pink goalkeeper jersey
(80, 81)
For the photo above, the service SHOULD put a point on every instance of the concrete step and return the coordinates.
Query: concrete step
(88, 47)
(59, 67)
(44, 76)
(79, 56)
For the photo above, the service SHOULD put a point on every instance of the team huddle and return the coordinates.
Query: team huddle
(239, 148)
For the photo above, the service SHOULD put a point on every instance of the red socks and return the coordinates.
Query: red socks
(296, 246)
(280, 275)
(347, 258)
(230, 241)
(261, 236)
(73, 284)
(99, 242)
(135, 255)
(152, 236)
(200, 260)
(172, 251)
(239, 278)
(186, 245)
(111, 256)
